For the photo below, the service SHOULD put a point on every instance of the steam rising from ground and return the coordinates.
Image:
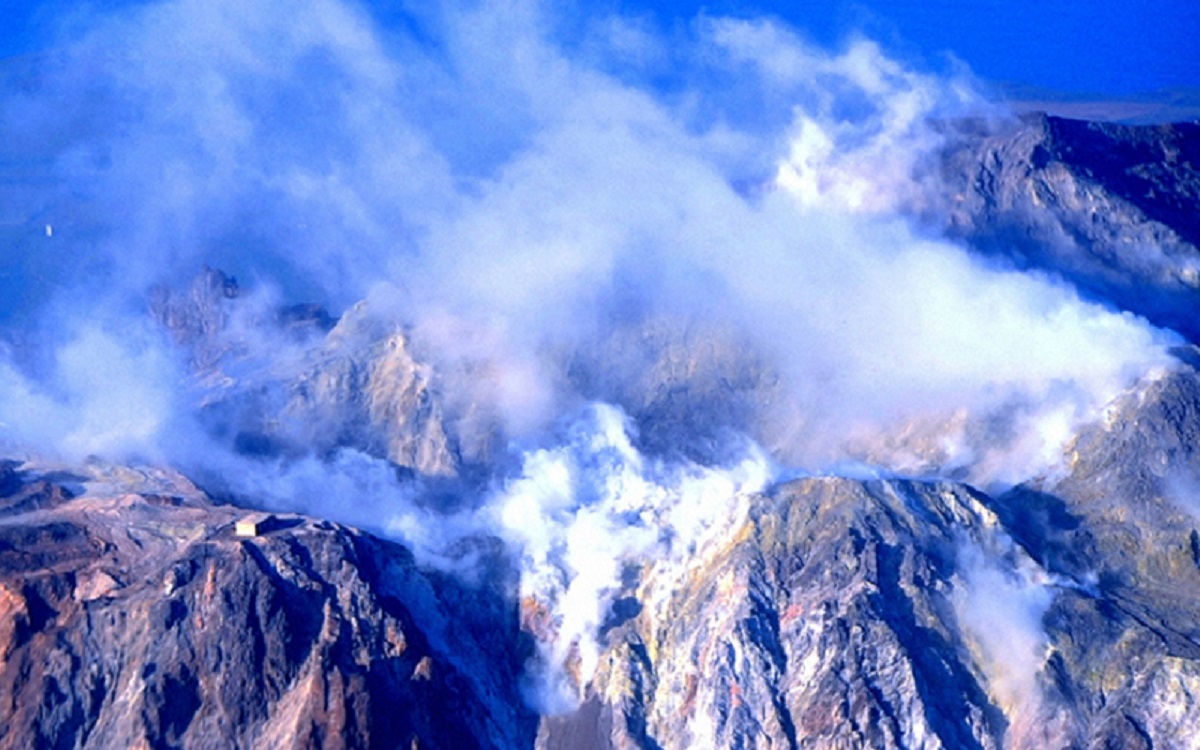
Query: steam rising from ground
(579, 513)
(1001, 602)
(1002, 607)
(574, 517)
(519, 194)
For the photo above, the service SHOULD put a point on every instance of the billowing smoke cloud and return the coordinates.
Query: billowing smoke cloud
(574, 516)
(708, 235)
(580, 512)
(111, 394)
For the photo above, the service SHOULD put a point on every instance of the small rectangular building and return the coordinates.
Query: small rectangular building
(252, 526)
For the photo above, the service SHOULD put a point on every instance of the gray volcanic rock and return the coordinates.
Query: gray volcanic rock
(197, 317)
(132, 615)
(1123, 522)
(886, 613)
(363, 387)
(827, 619)
(297, 382)
(1113, 209)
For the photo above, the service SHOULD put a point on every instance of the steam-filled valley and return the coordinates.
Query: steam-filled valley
(583, 386)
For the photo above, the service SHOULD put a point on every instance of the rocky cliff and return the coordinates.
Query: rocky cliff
(136, 615)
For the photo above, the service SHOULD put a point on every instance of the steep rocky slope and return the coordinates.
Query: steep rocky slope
(1114, 209)
(825, 621)
(132, 615)
(898, 613)
(825, 611)
(833, 612)
(1124, 524)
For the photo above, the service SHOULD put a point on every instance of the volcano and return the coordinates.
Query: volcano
(481, 383)
(859, 605)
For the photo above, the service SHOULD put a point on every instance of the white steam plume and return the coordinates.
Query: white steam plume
(109, 394)
(579, 512)
(298, 141)
(1000, 602)
(530, 203)
(573, 517)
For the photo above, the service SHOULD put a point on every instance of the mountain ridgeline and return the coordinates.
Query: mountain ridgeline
(822, 610)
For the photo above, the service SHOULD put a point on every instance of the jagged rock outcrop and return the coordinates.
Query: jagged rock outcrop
(290, 379)
(827, 619)
(197, 316)
(133, 615)
(363, 387)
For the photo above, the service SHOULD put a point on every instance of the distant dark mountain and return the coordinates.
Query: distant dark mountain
(1149, 108)
(1113, 209)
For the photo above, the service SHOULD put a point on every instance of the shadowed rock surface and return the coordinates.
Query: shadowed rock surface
(140, 619)
(824, 612)
(1113, 209)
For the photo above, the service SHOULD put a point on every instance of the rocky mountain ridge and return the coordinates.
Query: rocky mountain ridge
(835, 610)
(136, 615)
(1112, 209)
(849, 614)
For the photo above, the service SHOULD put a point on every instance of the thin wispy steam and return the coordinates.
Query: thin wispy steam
(1000, 601)
(555, 229)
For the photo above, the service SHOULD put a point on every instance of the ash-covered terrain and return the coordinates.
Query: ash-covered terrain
(504, 383)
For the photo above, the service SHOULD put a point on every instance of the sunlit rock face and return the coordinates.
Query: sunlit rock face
(1123, 523)
(277, 379)
(139, 613)
(660, 568)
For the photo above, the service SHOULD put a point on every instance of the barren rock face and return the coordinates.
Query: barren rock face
(142, 620)
(1113, 209)
(826, 620)
(854, 608)
(889, 579)
(902, 614)
(371, 394)
(355, 384)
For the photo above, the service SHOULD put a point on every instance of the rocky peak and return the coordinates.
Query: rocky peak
(196, 316)
(143, 620)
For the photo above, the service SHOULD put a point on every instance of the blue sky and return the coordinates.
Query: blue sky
(1108, 47)
(1103, 47)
